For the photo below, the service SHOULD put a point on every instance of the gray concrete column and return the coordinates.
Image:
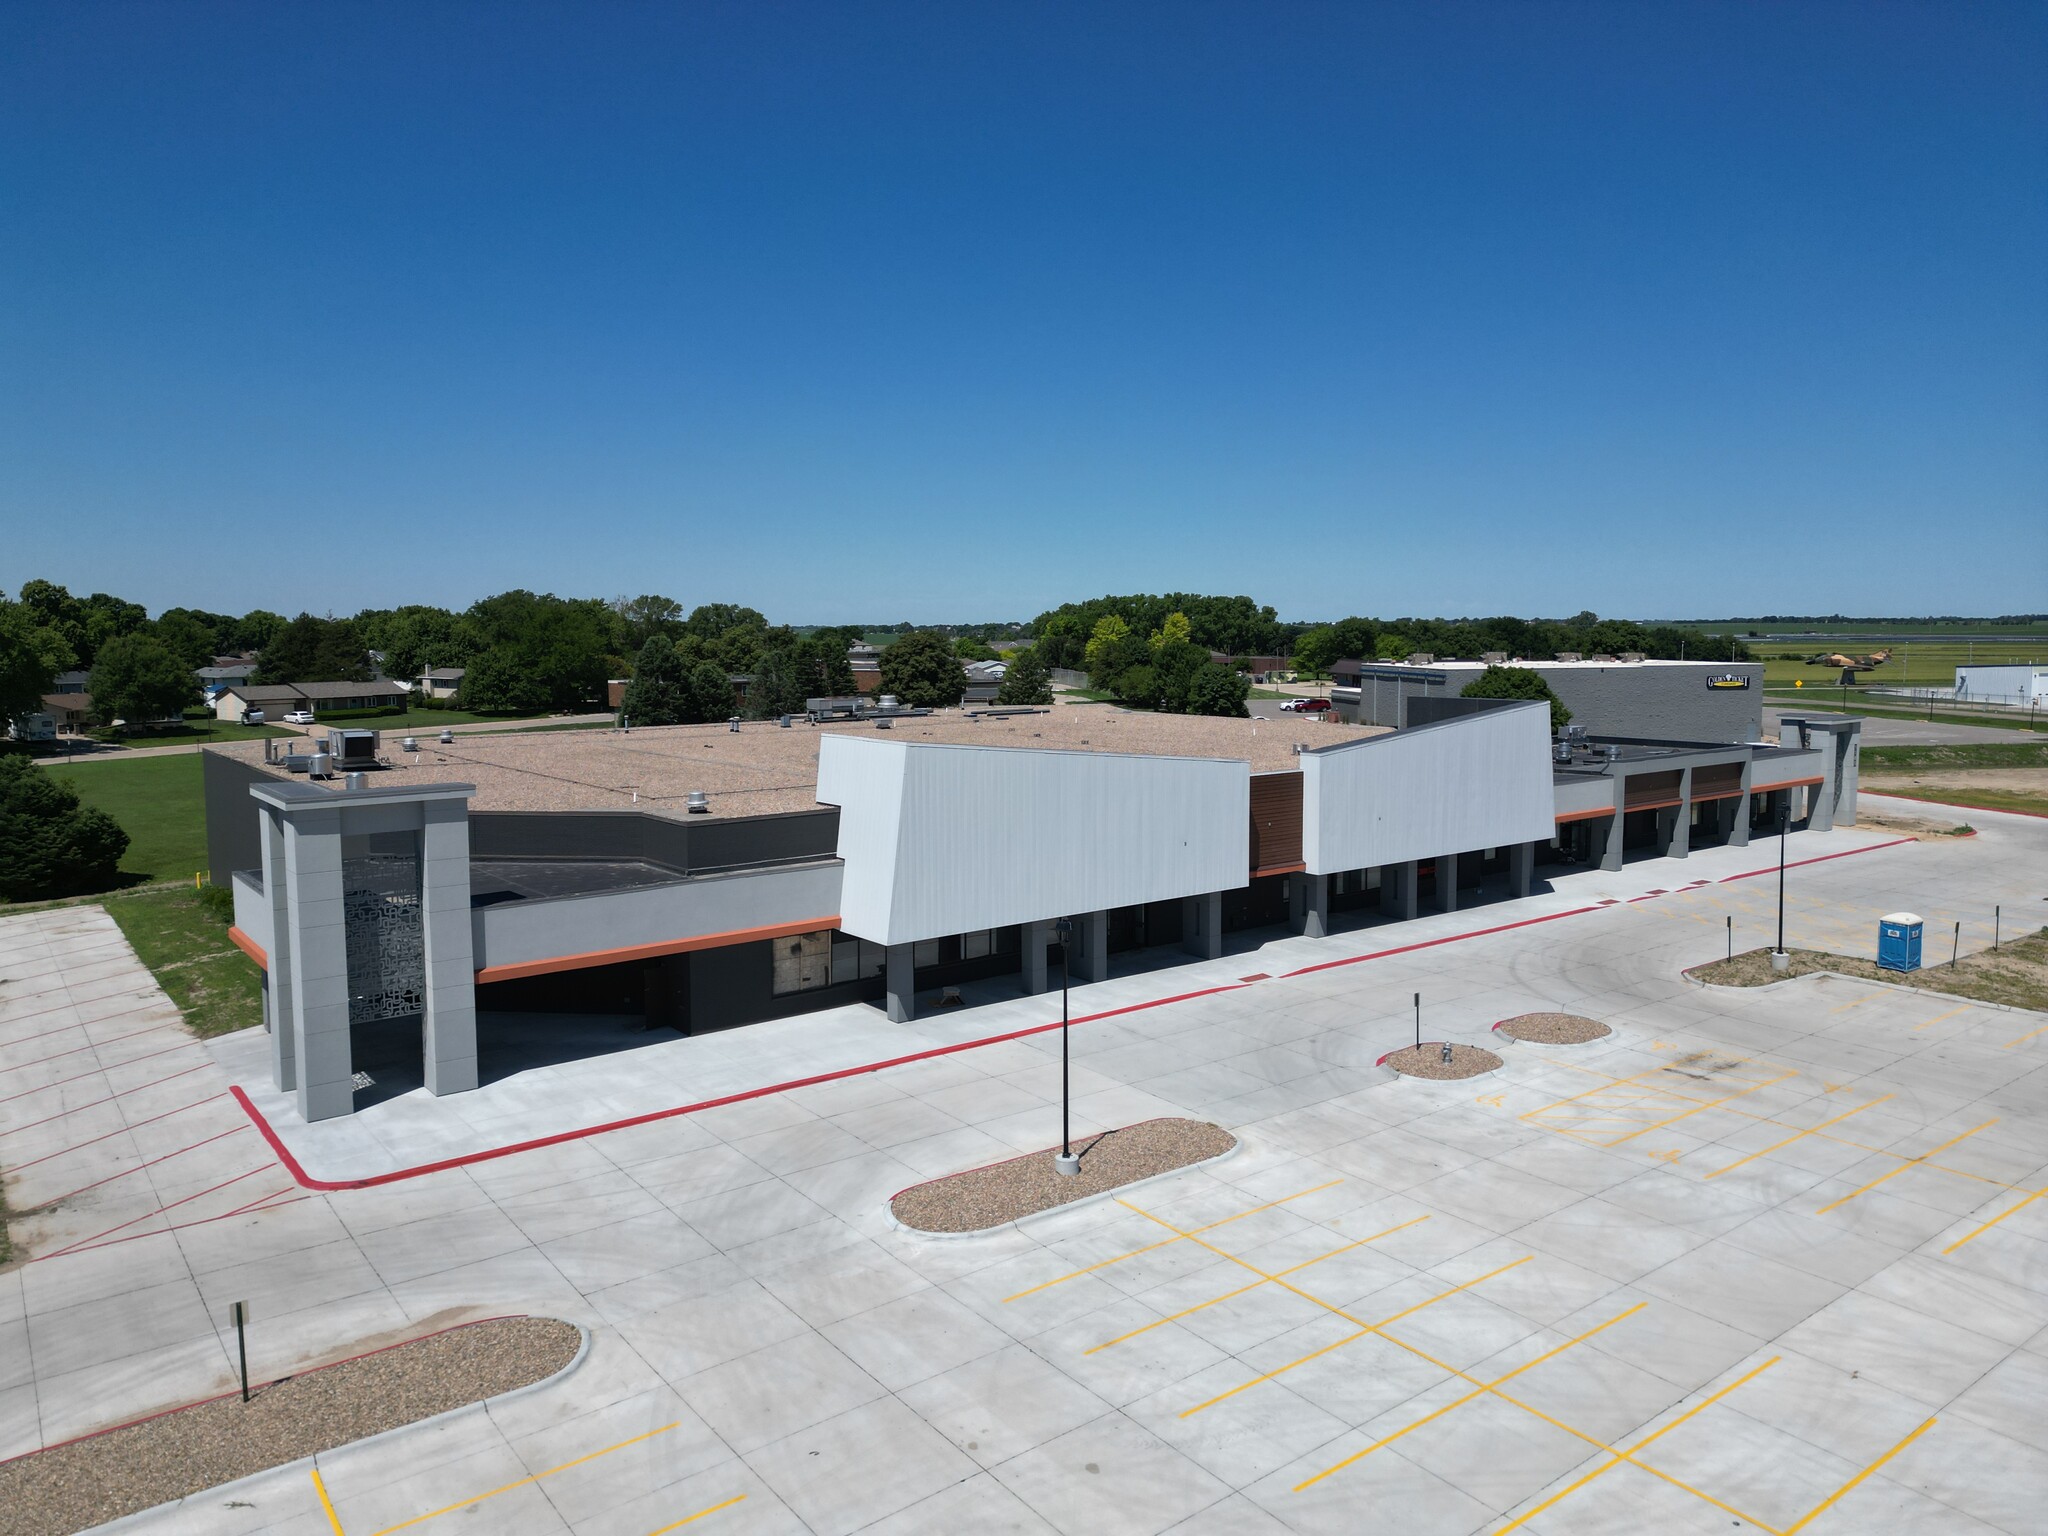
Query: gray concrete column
(1678, 837)
(899, 982)
(1313, 921)
(1611, 848)
(318, 940)
(448, 1026)
(1738, 831)
(1091, 946)
(1035, 937)
(277, 980)
(1407, 888)
(1521, 868)
(1447, 882)
(1820, 798)
(1201, 925)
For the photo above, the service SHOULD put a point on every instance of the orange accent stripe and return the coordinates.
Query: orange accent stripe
(1758, 789)
(1295, 868)
(594, 957)
(248, 946)
(1605, 810)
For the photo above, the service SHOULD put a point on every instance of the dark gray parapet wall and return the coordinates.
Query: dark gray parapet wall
(1661, 700)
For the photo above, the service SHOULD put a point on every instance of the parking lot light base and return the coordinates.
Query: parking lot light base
(1068, 1163)
(1780, 960)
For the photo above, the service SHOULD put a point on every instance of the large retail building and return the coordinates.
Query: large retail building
(704, 877)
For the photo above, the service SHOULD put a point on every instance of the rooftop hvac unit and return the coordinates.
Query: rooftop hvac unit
(887, 701)
(1567, 655)
(1631, 655)
(1494, 658)
(353, 749)
(1611, 752)
(447, 737)
(698, 803)
(320, 766)
(1561, 751)
(1421, 658)
(883, 725)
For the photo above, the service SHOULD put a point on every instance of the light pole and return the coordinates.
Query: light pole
(1066, 1162)
(1780, 961)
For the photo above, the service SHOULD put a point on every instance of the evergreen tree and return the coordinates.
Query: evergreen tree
(658, 694)
(1026, 681)
(50, 845)
(710, 694)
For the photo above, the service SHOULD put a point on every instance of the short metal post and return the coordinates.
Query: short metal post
(1731, 936)
(1996, 923)
(1066, 1162)
(1418, 1021)
(1956, 945)
(241, 1311)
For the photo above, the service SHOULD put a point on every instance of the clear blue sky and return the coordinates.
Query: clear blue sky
(957, 310)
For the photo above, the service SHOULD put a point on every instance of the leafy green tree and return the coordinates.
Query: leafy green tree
(1137, 686)
(1173, 630)
(417, 637)
(219, 629)
(49, 606)
(50, 845)
(1063, 641)
(1393, 647)
(1218, 690)
(315, 650)
(536, 652)
(31, 656)
(1517, 683)
(713, 620)
(256, 629)
(967, 648)
(710, 696)
(1176, 665)
(922, 672)
(659, 692)
(108, 618)
(1316, 650)
(185, 636)
(1105, 652)
(648, 615)
(138, 678)
(1026, 681)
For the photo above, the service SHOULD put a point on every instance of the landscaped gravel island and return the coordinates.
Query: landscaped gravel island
(1000, 1193)
(1427, 1060)
(87, 1482)
(1552, 1028)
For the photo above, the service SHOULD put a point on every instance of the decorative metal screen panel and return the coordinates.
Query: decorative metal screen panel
(386, 950)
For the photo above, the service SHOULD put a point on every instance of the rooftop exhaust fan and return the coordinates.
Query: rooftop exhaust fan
(698, 803)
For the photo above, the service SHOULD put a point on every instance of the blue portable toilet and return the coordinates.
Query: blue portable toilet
(1898, 941)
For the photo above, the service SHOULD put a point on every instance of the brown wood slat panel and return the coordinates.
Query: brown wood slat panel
(1717, 782)
(1645, 789)
(1276, 820)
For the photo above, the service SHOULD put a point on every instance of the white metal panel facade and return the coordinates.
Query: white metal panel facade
(1476, 781)
(949, 839)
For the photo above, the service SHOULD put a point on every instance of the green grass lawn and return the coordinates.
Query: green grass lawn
(1835, 702)
(159, 803)
(1990, 754)
(182, 936)
(423, 719)
(1913, 663)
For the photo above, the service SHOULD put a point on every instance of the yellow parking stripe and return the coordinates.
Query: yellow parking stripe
(522, 1482)
(714, 1509)
(1168, 1242)
(1908, 1163)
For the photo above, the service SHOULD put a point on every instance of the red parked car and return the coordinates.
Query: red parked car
(1308, 706)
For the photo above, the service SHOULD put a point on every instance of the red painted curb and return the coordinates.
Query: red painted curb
(306, 1181)
(1846, 853)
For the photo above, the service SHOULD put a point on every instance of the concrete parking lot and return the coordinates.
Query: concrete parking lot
(1771, 1259)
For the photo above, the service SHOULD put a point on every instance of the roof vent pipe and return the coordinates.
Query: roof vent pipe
(447, 737)
(353, 781)
(698, 803)
(732, 724)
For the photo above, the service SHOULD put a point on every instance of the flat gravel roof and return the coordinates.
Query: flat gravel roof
(763, 769)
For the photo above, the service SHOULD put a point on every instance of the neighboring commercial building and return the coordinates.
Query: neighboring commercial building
(2024, 684)
(1610, 696)
(881, 860)
(321, 698)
